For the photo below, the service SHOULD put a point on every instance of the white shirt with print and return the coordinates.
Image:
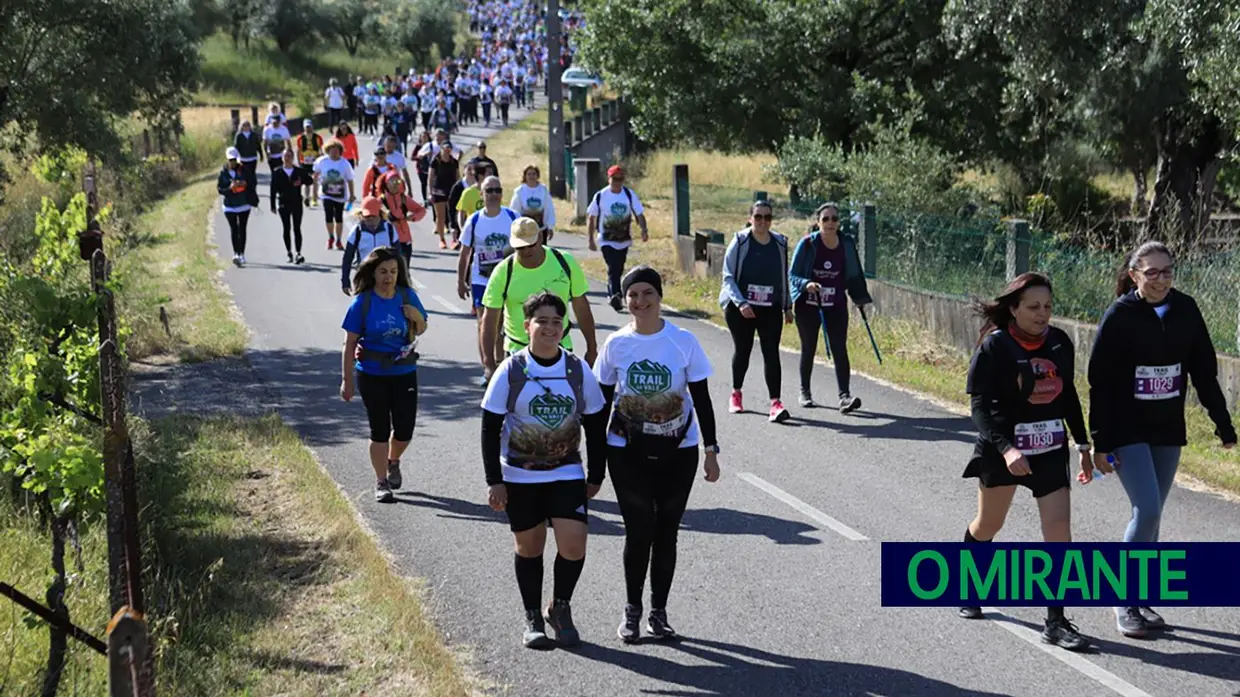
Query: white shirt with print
(333, 176)
(544, 416)
(526, 200)
(488, 237)
(277, 138)
(652, 373)
(615, 206)
(335, 98)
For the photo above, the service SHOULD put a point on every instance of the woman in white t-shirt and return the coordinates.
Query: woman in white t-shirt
(654, 373)
(533, 201)
(533, 414)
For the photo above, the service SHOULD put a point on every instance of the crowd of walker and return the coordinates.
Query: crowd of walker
(641, 399)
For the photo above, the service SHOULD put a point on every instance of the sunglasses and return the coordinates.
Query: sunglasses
(830, 219)
(763, 216)
(494, 190)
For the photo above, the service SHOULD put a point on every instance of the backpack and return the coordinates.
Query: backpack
(385, 359)
(518, 376)
(487, 270)
(625, 233)
(393, 238)
(511, 261)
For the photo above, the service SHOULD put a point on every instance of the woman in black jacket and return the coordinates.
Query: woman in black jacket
(286, 182)
(249, 146)
(239, 186)
(1021, 381)
(1150, 339)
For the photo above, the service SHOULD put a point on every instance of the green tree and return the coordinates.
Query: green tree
(417, 25)
(356, 20)
(290, 21)
(69, 67)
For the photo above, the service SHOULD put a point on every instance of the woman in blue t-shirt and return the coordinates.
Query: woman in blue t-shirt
(382, 326)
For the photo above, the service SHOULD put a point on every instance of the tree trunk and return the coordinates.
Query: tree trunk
(1187, 167)
(351, 43)
(59, 640)
(1140, 190)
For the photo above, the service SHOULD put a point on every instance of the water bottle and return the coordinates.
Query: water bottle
(348, 206)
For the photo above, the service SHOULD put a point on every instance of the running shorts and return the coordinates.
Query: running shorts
(531, 505)
(307, 171)
(333, 211)
(477, 293)
(1049, 473)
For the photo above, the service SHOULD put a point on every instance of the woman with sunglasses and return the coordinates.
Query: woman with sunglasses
(1150, 339)
(534, 411)
(756, 298)
(824, 266)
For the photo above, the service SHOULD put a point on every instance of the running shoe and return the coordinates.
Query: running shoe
(535, 636)
(778, 413)
(560, 616)
(1153, 620)
(615, 303)
(849, 403)
(806, 400)
(393, 478)
(658, 626)
(630, 629)
(734, 405)
(330, 242)
(242, 260)
(290, 257)
(299, 260)
(1130, 623)
(1062, 633)
(306, 200)
(971, 613)
(339, 245)
(237, 260)
(383, 492)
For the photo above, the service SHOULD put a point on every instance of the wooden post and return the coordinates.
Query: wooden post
(597, 115)
(1018, 247)
(236, 120)
(869, 240)
(680, 198)
(254, 119)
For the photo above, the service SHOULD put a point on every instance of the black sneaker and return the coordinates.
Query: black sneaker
(1130, 623)
(394, 480)
(1062, 633)
(535, 636)
(806, 400)
(383, 491)
(849, 403)
(658, 626)
(299, 260)
(560, 616)
(971, 613)
(630, 629)
(616, 303)
(1153, 620)
(290, 257)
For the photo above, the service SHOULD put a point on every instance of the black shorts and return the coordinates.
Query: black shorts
(436, 198)
(333, 211)
(1049, 473)
(531, 505)
(307, 172)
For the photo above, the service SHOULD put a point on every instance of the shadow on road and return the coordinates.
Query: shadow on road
(744, 671)
(876, 425)
(723, 521)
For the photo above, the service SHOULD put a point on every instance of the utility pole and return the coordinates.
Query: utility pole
(555, 105)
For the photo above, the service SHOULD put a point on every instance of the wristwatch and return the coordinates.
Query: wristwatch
(1084, 447)
(712, 448)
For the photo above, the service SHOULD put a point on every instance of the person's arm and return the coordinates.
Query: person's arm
(492, 431)
(404, 172)
(1101, 376)
(346, 365)
(730, 282)
(796, 280)
(705, 412)
(223, 183)
(1203, 369)
(490, 330)
(1073, 413)
(585, 320)
(462, 261)
(595, 426)
(346, 264)
(986, 424)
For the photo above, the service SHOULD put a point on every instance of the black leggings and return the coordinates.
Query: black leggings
(653, 494)
(768, 322)
(615, 259)
(275, 162)
(391, 405)
(809, 326)
(290, 216)
(237, 223)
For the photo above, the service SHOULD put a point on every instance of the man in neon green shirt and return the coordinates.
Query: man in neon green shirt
(471, 198)
(533, 268)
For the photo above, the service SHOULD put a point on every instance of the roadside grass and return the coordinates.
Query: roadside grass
(720, 191)
(261, 580)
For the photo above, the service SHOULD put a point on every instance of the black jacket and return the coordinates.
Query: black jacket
(1139, 371)
(239, 190)
(248, 147)
(288, 187)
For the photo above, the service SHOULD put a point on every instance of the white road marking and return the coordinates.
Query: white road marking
(452, 307)
(1087, 668)
(418, 285)
(805, 508)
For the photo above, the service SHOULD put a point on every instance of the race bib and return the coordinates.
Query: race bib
(826, 296)
(665, 429)
(1160, 382)
(762, 296)
(488, 259)
(1040, 437)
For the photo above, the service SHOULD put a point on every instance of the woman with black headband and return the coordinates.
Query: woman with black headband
(654, 373)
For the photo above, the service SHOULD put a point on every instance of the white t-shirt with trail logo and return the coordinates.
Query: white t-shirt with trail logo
(543, 426)
(652, 373)
(488, 237)
(534, 203)
(613, 211)
(333, 178)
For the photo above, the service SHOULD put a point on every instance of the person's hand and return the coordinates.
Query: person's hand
(346, 290)
(1016, 462)
(711, 467)
(592, 490)
(462, 290)
(591, 355)
(645, 235)
(1102, 464)
(812, 287)
(593, 244)
(497, 497)
(414, 317)
(1087, 469)
(346, 390)
(747, 311)
(1228, 446)
(788, 318)
(488, 366)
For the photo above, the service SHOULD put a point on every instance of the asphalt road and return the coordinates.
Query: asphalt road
(777, 589)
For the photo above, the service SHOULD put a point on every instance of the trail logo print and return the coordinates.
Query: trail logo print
(649, 378)
(551, 410)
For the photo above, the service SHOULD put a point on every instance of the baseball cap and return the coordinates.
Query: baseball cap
(524, 233)
(371, 206)
(614, 170)
(307, 123)
(233, 154)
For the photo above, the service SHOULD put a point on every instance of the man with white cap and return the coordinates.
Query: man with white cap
(238, 185)
(309, 149)
(531, 269)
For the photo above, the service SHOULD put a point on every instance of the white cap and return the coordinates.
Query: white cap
(232, 154)
(308, 123)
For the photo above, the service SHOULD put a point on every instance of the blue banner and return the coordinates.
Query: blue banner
(1077, 574)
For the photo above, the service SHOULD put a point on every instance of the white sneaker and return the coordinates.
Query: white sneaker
(242, 260)
(237, 260)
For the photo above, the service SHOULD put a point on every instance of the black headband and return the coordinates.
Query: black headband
(642, 274)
